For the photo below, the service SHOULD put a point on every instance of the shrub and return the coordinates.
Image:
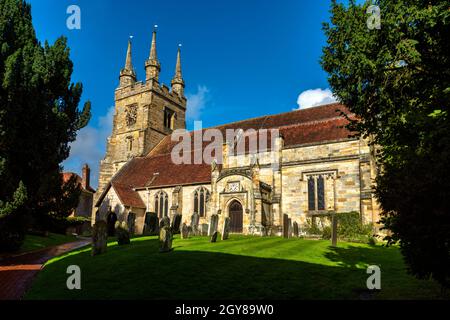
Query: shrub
(350, 227)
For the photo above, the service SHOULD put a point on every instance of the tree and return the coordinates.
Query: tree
(396, 80)
(39, 114)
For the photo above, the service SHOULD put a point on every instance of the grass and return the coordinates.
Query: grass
(242, 267)
(34, 242)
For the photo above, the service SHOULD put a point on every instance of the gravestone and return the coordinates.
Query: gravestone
(176, 221)
(213, 222)
(122, 233)
(194, 223)
(226, 228)
(99, 237)
(203, 229)
(334, 228)
(285, 226)
(295, 229)
(165, 239)
(214, 237)
(184, 231)
(164, 222)
(151, 225)
(290, 230)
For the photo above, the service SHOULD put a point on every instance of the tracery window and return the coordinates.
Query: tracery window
(162, 204)
(201, 197)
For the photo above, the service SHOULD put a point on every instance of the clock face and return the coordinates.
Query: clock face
(233, 186)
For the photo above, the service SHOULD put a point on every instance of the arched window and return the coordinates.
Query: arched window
(201, 197)
(162, 204)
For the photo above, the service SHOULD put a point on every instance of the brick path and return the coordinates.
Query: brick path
(17, 272)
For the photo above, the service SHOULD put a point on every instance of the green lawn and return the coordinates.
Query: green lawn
(242, 267)
(33, 242)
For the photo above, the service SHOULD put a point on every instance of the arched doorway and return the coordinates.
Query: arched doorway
(236, 216)
(111, 221)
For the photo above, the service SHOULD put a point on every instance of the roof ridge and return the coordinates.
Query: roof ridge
(273, 115)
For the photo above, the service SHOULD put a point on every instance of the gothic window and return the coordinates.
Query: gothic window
(162, 204)
(201, 197)
(169, 118)
(311, 194)
(131, 115)
(316, 193)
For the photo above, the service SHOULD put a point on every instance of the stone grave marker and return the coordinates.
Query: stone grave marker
(285, 226)
(296, 229)
(226, 228)
(99, 237)
(176, 221)
(194, 223)
(184, 231)
(165, 239)
(214, 237)
(213, 222)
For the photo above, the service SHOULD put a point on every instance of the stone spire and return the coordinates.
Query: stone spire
(127, 74)
(152, 65)
(177, 81)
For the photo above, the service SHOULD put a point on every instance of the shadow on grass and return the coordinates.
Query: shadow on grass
(138, 271)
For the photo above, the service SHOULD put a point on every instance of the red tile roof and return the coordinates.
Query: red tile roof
(156, 170)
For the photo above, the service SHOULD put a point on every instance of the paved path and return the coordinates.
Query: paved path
(17, 272)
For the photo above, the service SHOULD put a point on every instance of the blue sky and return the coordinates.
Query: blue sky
(240, 58)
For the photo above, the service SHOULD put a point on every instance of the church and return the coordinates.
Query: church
(311, 167)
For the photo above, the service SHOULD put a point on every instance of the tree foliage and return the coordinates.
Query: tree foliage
(39, 113)
(397, 81)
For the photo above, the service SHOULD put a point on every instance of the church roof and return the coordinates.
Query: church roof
(156, 170)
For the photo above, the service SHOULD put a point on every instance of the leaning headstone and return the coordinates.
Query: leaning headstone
(165, 239)
(122, 233)
(176, 221)
(295, 229)
(226, 228)
(194, 223)
(213, 222)
(214, 237)
(184, 231)
(99, 237)
(164, 222)
(285, 226)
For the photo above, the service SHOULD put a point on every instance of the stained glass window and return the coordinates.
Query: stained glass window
(311, 194)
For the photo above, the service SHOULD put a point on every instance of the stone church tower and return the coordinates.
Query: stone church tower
(145, 112)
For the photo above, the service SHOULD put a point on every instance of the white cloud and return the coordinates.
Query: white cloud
(315, 97)
(90, 146)
(196, 102)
